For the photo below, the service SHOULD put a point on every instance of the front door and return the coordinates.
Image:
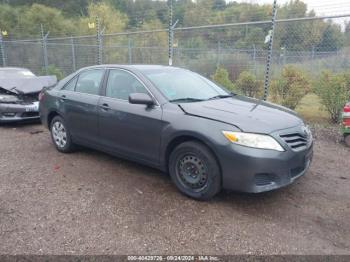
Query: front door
(129, 129)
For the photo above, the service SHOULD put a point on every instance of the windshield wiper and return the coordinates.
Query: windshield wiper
(186, 99)
(220, 96)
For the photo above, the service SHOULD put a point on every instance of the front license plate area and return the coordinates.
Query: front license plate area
(33, 108)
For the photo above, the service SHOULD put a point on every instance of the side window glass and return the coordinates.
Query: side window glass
(121, 84)
(89, 81)
(70, 86)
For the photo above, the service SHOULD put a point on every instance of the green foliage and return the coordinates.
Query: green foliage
(110, 19)
(52, 70)
(332, 38)
(22, 19)
(52, 20)
(290, 88)
(334, 91)
(221, 77)
(248, 84)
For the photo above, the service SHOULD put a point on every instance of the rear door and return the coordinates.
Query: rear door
(129, 129)
(80, 97)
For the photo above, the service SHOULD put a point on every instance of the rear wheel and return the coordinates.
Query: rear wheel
(347, 139)
(60, 135)
(195, 171)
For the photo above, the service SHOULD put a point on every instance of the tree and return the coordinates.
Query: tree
(110, 19)
(53, 21)
(290, 88)
(221, 77)
(248, 84)
(8, 18)
(332, 38)
(68, 7)
(151, 47)
(334, 91)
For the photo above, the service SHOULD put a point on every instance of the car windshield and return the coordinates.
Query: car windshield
(179, 85)
(14, 73)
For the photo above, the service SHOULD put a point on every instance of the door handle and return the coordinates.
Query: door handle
(105, 106)
(63, 98)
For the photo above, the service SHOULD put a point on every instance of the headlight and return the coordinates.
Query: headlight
(253, 140)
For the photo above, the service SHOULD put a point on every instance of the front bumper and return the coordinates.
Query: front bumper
(257, 170)
(19, 112)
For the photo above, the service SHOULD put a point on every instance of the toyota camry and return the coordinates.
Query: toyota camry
(182, 123)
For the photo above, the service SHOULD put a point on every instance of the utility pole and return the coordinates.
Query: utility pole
(269, 52)
(44, 45)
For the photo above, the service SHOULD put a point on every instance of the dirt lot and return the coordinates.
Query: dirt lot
(91, 203)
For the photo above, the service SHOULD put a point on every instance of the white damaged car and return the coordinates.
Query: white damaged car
(19, 90)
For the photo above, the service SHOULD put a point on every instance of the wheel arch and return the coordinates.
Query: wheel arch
(50, 116)
(181, 138)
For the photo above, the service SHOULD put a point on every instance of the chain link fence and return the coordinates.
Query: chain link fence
(312, 43)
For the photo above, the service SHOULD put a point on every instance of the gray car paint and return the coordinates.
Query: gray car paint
(146, 134)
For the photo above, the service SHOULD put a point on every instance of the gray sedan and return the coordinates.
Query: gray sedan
(179, 122)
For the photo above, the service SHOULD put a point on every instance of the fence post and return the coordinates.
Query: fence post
(254, 58)
(99, 42)
(73, 54)
(44, 45)
(218, 54)
(269, 54)
(2, 50)
(170, 33)
(129, 50)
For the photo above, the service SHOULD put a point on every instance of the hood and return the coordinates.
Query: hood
(27, 85)
(249, 115)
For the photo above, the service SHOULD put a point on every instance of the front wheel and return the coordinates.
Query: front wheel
(195, 171)
(60, 135)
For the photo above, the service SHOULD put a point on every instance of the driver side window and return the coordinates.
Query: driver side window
(121, 84)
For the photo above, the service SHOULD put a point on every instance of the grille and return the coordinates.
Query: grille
(296, 141)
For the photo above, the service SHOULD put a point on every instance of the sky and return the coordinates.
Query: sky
(329, 7)
(322, 8)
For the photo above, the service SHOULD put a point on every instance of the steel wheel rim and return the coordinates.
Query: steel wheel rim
(59, 134)
(192, 172)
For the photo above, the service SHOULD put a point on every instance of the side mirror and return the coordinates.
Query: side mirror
(141, 99)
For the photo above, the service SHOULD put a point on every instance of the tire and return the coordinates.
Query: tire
(347, 139)
(60, 135)
(195, 171)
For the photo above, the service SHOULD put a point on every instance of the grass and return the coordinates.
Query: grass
(311, 110)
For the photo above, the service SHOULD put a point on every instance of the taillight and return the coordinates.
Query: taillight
(41, 96)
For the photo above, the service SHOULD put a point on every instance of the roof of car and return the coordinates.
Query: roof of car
(137, 67)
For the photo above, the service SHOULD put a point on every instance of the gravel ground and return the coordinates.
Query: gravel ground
(91, 203)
